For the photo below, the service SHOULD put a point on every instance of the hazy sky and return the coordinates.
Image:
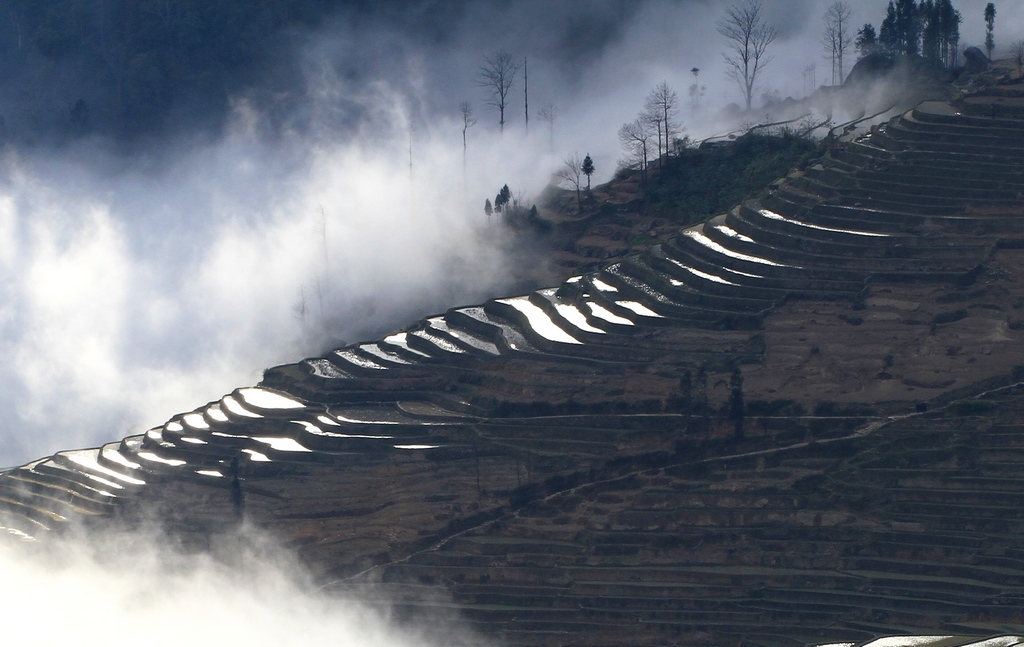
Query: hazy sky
(134, 287)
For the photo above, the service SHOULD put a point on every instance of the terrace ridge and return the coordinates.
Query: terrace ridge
(558, 461)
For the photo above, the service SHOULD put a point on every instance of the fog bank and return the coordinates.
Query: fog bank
(118, 591)
(132, 292)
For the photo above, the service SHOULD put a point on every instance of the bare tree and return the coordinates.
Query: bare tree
(1018, 57)
(468, 120)
(662, 106)
(837, 37)
(548, 114)
(653, 122)
(571, 174)
(519, 199)
(497, 75)
(810, 83)
(747, 37)
(635, 137)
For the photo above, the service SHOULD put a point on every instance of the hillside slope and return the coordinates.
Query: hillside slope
(576, 465)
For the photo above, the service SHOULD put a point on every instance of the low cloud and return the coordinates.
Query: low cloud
(130, 294)
(131, 588)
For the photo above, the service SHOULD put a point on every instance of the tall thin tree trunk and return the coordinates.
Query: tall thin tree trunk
(526, 93)
(643, 164)
(668, 135)
(659, 145)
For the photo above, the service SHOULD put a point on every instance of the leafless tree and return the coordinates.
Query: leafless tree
(653, 122)
(1018, 57)
(747, 37)
(548, 114)
(518, 199)
(571, 174)
(497, 75)
(810, 82)
(661, 107)
(837, 38)
(635, 137)
(468, 120)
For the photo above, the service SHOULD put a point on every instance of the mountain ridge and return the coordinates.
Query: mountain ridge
(569, 465)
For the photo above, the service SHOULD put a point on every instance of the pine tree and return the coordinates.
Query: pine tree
(588, 169)
(502, 200)
(696, 91)
(867, 40)
(990, 23)
(901, 29)
(931, 33)
(888, 34)
(949, 31)
(908, 26)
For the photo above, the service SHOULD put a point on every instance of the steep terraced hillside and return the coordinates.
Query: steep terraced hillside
(909, 527)
(572, 466)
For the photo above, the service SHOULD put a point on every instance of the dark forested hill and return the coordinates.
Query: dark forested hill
(130, 68)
